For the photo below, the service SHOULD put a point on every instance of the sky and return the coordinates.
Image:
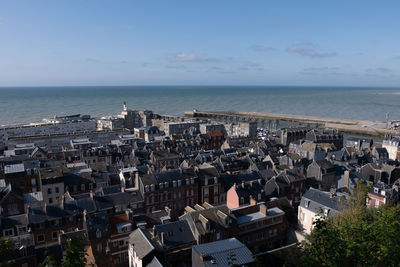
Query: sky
(207, 42)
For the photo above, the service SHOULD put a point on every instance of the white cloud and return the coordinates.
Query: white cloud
(308, 49)
(182, 57)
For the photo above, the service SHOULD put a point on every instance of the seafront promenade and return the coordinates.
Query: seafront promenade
(364, 127)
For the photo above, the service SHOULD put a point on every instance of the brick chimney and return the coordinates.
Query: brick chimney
(346, 179)
(263, 209)
(253, 202)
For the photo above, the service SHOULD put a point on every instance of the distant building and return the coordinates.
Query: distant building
(329, 136)
(110, 123)
(392, 147)
(243, 129)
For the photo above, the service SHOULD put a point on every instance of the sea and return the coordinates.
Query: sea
(26, 104)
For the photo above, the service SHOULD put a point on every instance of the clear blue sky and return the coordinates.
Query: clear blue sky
(88, 42)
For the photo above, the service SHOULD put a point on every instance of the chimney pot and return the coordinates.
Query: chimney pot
(263, 209)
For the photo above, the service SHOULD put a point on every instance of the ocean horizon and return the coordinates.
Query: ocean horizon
(27, 104)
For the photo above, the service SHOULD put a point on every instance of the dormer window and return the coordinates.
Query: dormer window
(326, 212)
(307, 203)
(376, 190)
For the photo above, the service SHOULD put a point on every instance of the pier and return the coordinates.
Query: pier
(356, 127)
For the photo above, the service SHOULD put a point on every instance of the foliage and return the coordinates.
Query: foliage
(75, 256)
(356, 237)
(49, 261)
(231, 258)
(6, 248)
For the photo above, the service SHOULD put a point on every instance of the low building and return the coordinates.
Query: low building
(260, 227)
(228, 252)
(317, 204)
(381, 194)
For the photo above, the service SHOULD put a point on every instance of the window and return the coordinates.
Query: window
(49, 191)
(82, 187)
(99, 247)
(55, 235)
(33, 182)
(57, 190)
(50, 200)
(307, 203)
(376, 203)
(218, 235)
(98, 233)
(8, 232)
(40, 238)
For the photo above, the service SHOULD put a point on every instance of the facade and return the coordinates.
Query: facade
(243, 129)
(381, 194)
(261, 228)
(322, 171)
(173, 189)
(317, 204)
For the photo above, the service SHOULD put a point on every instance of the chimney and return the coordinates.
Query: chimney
(346, 178)
(84, 215)
(203, 256)
(62, 202)
(168, 210)
(122, 188)
(45, 207)
(243, 184)
(162, 238)
(332, 192)
(91, 194)
(128, 213)
(253, 202)
(137, 179)
(153, 232)
(263, 209)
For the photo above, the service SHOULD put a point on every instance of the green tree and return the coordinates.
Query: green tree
(358, 236)
(7, 247)
(49, 261)
(75, 254)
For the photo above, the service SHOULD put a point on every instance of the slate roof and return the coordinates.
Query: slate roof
(217, 253)
(141, 243)
(98, 220)
(81, 204)
(319, 200)
(11, 221)
(38, 214)
(229, 179)
(154, 263)
(175, 233)
(121, 198)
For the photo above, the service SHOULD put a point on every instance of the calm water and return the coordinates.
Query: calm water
(18, 105)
